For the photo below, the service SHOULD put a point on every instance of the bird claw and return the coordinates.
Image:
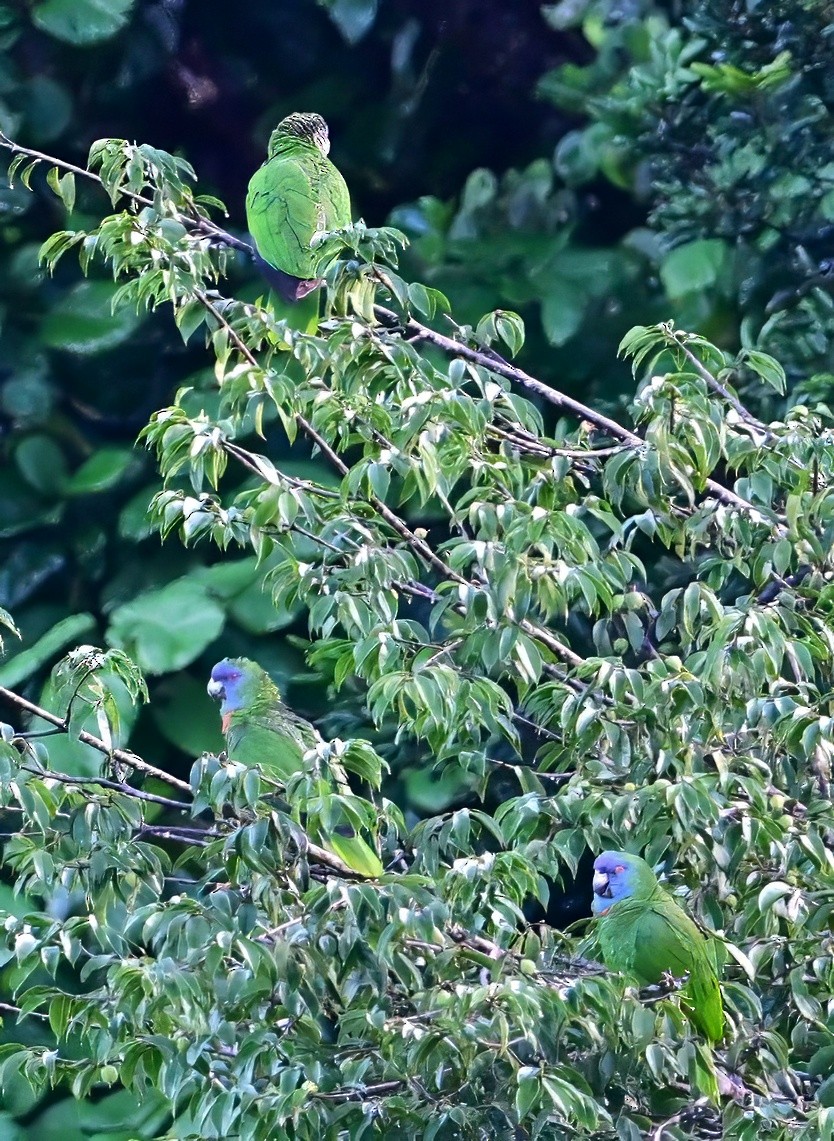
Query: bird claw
(667, 985)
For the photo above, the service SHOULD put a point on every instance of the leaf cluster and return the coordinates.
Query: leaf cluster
(718, 119)
(478, 583)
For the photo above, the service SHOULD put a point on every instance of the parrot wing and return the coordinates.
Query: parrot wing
(290, 199)
(254, 741)
(277, 739)
(648, 937)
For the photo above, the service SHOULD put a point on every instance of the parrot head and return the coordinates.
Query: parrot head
(235, 683)
(306, 126)
(618, 876)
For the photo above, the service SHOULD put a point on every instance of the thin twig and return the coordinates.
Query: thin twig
(177, 835)
(535, 446)
(548, 734)
(518, 768)
(361, 1093)
(124, 756)
(249, 460)
(497, 364)
(715, 384)
(553, 644)
(7, 1008)
(103, 782)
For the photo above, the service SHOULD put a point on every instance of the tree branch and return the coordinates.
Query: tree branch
(493, 362)
(773, 589)
(122, 755)
(487, 359)
(117, 786)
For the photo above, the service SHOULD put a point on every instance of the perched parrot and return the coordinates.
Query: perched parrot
(296, 194)
(261, 730)
(644, 933)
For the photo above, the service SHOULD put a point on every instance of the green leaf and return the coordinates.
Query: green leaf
(563, 310)
(81, 21)
(83, 321)
(766, 367)
(694, 267)
(189, 317)
(167, 629)
(48, 107)
(66, 189)
(64, 186)
(105, 468)
(771, 893)
(41, 462)
(27, 661)
(422, 299)
(510, 329)
(353, 18)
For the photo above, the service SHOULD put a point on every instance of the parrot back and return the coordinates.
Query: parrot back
(255, 741)
(648, 937)
(291, 198)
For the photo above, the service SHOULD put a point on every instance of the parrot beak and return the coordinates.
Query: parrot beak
(216, 689)
(601, 886)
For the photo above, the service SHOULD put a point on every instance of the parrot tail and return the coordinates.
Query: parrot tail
(287, 287)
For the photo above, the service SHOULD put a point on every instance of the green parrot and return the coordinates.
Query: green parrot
(644, 933)
(261, 730)
(296, 194)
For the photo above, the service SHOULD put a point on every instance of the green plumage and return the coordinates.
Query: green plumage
(266, 732)
(296, 194)
(261, 730)
(645, 934)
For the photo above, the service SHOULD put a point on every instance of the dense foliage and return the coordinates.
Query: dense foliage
(222, 961)
(531, 629)
(721, 123)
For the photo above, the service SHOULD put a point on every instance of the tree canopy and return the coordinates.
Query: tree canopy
(535, 527)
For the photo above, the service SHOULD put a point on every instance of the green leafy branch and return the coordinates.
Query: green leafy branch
(664, 640)
(121, 756)
(119, 183)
